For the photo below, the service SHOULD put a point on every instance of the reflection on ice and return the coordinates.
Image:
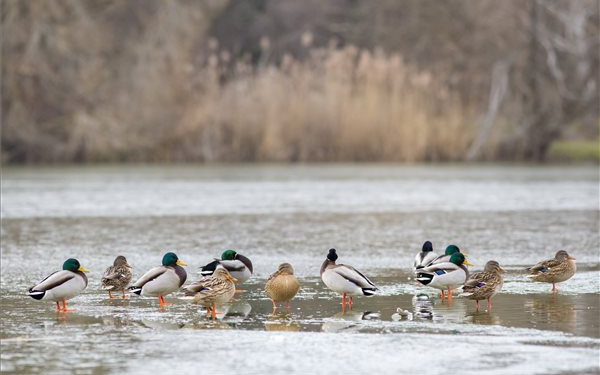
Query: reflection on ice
(348, 321)
(555, 310)
(282, 322)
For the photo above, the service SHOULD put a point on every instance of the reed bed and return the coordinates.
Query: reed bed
(337, 105)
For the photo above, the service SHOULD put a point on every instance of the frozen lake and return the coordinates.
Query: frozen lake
(377, 216)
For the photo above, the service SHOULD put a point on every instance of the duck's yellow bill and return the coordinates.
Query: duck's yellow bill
(467, 263)
(571, 257)
(181, 262)
(127, 265)
(82, 269)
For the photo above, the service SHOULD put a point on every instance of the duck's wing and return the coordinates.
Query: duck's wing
(439, 268)
(115, 273)
(438, 259)
(116, 276)
(53, 280)
(214, 291)
(201, 284)
(352, 274)
(424, 259)
(149, 276)
(208, 269)
(544, 266)
(481, 283)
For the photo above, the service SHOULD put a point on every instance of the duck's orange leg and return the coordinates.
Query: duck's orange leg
(123, 296)
(162, 303)
(477, 305)
(58, 309)
(449, 295)
(350, 302)
(489, 304)
(344, 302)
(64, 307)
(554, 290)
(213, 310)
(442, 294)
(110, 296)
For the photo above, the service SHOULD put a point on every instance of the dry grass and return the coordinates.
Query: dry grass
(339, 105)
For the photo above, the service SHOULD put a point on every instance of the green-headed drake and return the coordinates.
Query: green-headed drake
(162, 280)
(61, 285)
(117, 277)
(485, 284)
(239, 266)
(445, 275)
(556, 270)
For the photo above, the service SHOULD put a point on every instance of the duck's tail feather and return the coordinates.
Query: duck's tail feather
(36, 294)
(424, 278)
(369, 291)
(135, 290)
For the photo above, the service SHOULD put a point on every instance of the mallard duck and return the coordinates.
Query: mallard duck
(239, 266)
(212, 290)
(556, 270)
(282, 285)
(425, 256)
(61, 285)
(162, 280)
(117, 276)
(446, 275)
(485, 284)
(445, 258)
(345, 280)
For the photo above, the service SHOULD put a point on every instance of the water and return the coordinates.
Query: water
(377, 216)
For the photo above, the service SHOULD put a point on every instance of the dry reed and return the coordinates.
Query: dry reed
(338, 105)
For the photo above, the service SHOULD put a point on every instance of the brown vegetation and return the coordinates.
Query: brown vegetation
(267, 80)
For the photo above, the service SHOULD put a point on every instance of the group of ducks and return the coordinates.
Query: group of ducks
(449, 271)
(217, 284)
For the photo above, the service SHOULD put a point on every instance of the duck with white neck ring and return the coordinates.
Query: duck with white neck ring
(162, 280)
(61, 285)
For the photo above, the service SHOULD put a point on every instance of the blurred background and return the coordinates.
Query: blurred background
(299, 81)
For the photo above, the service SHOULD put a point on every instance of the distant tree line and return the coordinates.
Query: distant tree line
(288, 80)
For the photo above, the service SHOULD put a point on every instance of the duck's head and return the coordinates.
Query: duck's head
(458, 259)
(223, 274)
(286, 269)
(563, 255)
(73, 265)
(170, 259)
(332, 255)
(493, 266)
(452, 249)
(121, 261)
(228, 255)
(427, 246)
